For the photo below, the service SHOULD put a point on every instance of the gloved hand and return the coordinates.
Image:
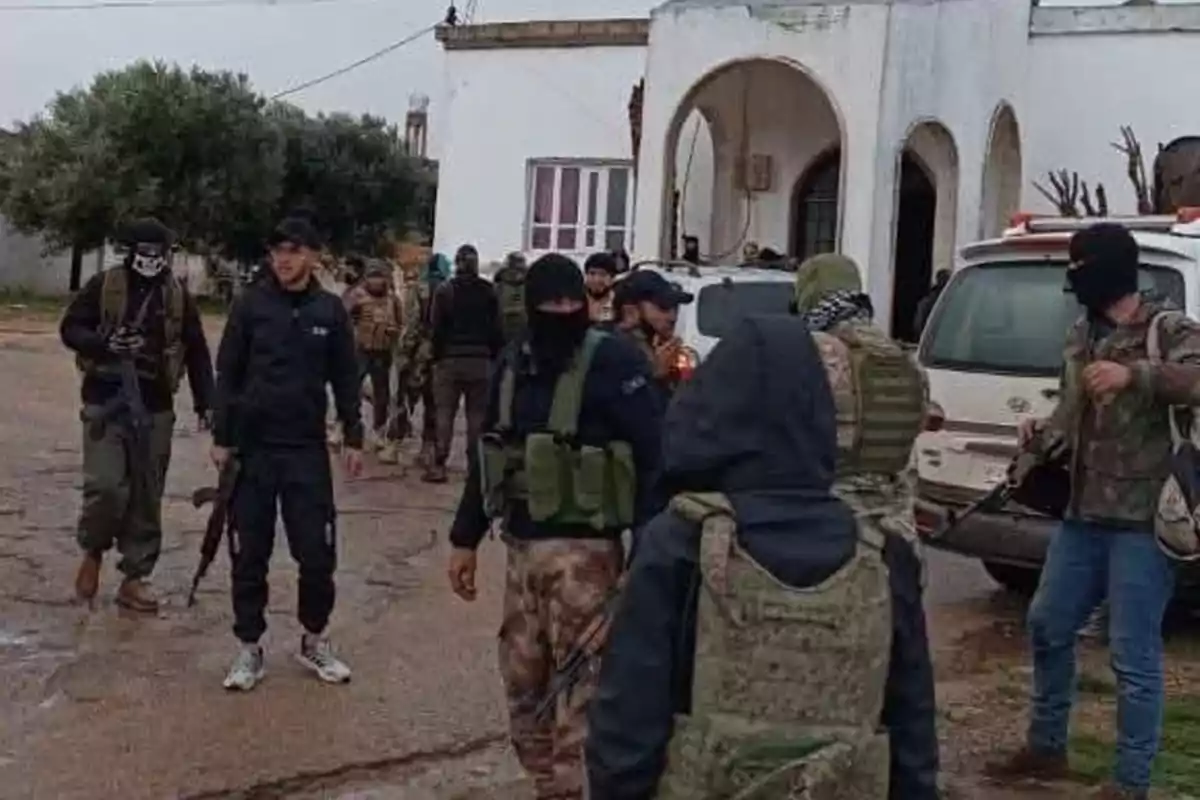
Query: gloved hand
(125, 341)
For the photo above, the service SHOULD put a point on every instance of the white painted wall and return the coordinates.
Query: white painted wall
(25, 266)
(502, 108)
(1135, 79)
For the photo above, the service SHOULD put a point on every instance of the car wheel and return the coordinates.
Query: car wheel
(1022, 580)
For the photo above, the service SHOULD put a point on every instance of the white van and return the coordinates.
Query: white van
(993, 351)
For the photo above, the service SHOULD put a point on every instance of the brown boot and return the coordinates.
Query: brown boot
(135, 594)
(436, 473)
(87, 579)
(1028, 763)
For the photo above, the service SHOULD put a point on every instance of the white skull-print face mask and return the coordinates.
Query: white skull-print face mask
(149, 260)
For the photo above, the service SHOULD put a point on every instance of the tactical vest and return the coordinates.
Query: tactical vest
(377, 323)
(510, 295)
(114, 299)
(561, 481)
(788, 686)
(888, 397)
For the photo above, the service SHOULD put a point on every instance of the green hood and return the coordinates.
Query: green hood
(821, 275)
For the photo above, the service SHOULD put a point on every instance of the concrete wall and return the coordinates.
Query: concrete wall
(25, 267)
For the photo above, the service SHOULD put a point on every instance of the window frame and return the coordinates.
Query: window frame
(594, 224)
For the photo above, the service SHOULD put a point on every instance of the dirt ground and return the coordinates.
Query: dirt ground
(95, 704)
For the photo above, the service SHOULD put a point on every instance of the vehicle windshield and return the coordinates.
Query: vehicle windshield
(720, 306)
(1011, 318)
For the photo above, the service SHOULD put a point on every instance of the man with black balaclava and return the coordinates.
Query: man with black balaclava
(599, 271)
(1127, 361)
(467, 335)
(137, 310)
(566, 464)
(691, 250)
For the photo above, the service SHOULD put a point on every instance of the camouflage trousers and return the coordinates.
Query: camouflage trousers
(553, 589)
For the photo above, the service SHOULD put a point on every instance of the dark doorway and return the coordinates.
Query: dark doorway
(913, 267)
(815, 206)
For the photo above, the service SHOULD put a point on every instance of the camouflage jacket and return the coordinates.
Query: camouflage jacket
(1121, 445)
(415, 352)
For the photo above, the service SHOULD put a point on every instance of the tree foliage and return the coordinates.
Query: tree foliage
(210, 157)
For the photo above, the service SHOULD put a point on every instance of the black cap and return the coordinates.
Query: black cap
(465, 251)
(650, 287)
(297, 231)
(553, 277)
(147, 230)
(603, 261)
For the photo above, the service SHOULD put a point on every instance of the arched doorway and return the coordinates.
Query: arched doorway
(1001, 174)
(914, 245)
(768, 120)
(815, 207)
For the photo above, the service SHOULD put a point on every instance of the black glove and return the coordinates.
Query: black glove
(125, 341)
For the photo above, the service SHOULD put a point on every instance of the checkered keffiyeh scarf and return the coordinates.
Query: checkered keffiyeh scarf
(836, 307)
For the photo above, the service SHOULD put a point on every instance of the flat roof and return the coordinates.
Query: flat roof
(545, 34)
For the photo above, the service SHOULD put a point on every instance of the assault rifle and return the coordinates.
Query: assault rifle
(219, 521)
(1039, 482)
(128, 410)
(585, 651)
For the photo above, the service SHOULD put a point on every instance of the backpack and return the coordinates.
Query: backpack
(1177, 517)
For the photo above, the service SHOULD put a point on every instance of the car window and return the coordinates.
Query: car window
(720, 306)
(1011, 318)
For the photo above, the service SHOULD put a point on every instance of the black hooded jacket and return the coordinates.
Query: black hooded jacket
(757, 423)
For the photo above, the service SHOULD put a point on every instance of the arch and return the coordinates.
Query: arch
(732, 95)
(816, 190)
(925, 218)
(1002, 165)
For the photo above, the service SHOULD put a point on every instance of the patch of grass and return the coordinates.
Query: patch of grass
(1102, 685)
(1177, 768)
(212, 306)
(32, 301)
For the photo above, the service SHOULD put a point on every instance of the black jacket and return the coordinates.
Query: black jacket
(618, 405)
(279, 352)
(757, 423)
(80, 331)
(466, 319)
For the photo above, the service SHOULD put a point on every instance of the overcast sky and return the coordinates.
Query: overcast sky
(278, 45)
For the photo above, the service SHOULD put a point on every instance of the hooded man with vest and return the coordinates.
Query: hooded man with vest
(880, 396)
(286, 343)
(509, 281)
(466, 337)
(137, 310)
(375, 311)
(1127, 361)
(599, 271)
(566, 464)
(751, 643)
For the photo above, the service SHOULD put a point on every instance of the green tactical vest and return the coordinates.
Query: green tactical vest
(114, 297)
(510, 295)
(789, 683)
(561, 481)
(889, 402)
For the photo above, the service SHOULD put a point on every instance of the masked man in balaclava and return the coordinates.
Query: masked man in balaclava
(137, 313)
(566, 464)
(1127, 361)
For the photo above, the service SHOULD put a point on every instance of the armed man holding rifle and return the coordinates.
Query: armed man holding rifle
(135, 329)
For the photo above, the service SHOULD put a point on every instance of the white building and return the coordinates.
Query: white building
(894, 131)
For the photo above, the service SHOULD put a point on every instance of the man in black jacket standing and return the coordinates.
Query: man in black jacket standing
(286, 340)
(467, 335)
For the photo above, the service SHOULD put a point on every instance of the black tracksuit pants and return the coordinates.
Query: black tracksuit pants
(297, 481)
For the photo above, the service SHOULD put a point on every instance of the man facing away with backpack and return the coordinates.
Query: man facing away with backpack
(140, 310)
(1112, 413)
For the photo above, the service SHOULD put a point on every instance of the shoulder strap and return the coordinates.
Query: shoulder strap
(508, 387)
(173, 309)
(114, 294)
(1154, 352)
(568, 391)
(714, 514)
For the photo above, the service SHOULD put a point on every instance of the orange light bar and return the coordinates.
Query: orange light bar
(1188, 214)
(1020, 219)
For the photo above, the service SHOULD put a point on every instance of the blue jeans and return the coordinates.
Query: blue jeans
(1085, 564)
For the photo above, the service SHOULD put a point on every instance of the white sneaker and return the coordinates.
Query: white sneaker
(247, 669)
(316, 653)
